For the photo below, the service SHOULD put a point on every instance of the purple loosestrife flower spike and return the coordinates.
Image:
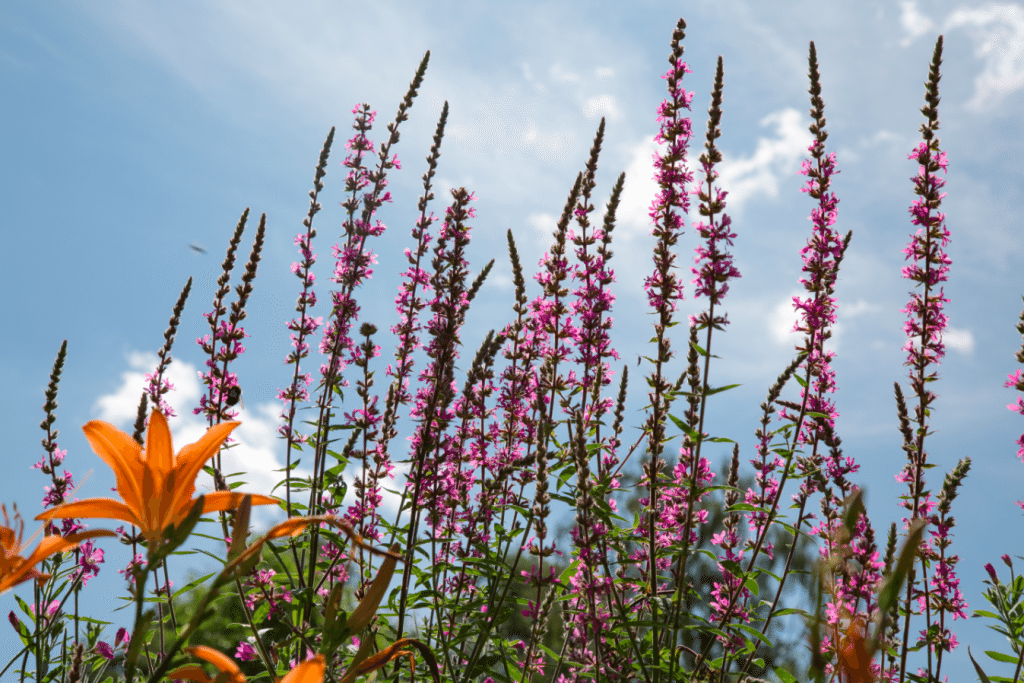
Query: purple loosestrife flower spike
(211, 378)
(158, 386)
(224, 390)
(924, 327)
(1016, 381)
(354, 260)
(715, 264)
(663, 287)
(305, 325)
(712, 276)
(432, 406)
(53, 457)
(352, 266)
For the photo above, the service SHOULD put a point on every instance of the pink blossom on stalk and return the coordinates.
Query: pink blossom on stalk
(442, 476)
(245, 652)
(353, 259)
(715, 266)
(90, 558)
(663, 287)
(821, 258)
(121, 640)
(925, 324)
(1016, 381)
(223, 389)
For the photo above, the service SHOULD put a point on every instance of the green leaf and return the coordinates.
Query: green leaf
(1000, 657)
(718, 390)
(854, 509)
(977, 667)
(754, 632)
(189, 586)
(889, 594)
(569, 572)
(784, 675)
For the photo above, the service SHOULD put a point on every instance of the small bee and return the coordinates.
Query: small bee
(233, 396)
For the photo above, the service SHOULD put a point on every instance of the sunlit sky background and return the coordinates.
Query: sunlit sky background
(131, 130)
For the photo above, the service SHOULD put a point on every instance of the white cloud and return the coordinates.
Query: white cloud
(782, 320)
(544, 225)
(915, 23)
(121, 406)
(844, 313)
(257, 450)
(605, 72)
(998, 33)
(857, 308)
(743, 177)
(775, 157)
(639, 188)
(560, 75)
(961, 340)
(601, 105)
(506, 125)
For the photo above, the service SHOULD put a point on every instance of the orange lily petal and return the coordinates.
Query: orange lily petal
(310, 671)
(853, 656)
(215, 657)
(51, 545)
(383, 658)
(99, 508)
(159, 447)
(48, 546)
(189, 672)
(190, 460)
(122, 455)
(220, 501)
(289, 527)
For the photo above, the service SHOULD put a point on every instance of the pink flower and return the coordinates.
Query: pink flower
(245, 652)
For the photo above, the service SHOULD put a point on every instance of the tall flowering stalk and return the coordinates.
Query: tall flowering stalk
(409, 303)
(305, 325)
(353, 266)
(432, 407)
(87, 556)
(157, 384)
(223, 389)
(693, 472)
(938, 595)
(814, 417)
(1015, 380)
(664, 289)
(591, 642)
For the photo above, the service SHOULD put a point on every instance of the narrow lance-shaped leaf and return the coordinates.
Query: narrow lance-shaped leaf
(367, 608)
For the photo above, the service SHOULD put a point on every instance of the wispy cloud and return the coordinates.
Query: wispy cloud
(960, 339)
(997, 30)
(745, 177)
(257, 446)
(914, 22)
(998, 34)
(775, 158)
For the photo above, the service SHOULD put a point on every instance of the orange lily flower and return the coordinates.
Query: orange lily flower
(853, 654)
(310, 671)
(14, 568)
(155, 485)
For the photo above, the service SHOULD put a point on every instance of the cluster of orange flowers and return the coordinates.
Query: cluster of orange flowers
(156, 488)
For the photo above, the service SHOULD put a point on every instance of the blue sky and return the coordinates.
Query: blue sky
(131, 130)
